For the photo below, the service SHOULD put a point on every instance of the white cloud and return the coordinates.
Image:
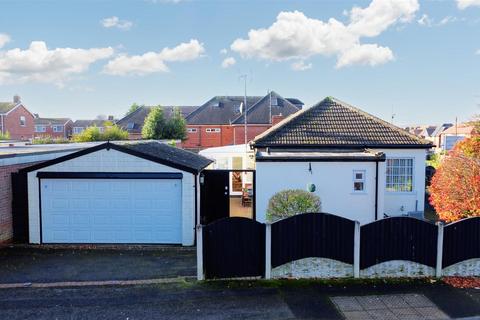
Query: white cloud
(223, 51)
(40, 64)
(301, 66)
(425, 20)
(151, 62)
(228, 62)
(447, 19)
(463, 4)
(115, 22)
(295, 36)
(4, 39)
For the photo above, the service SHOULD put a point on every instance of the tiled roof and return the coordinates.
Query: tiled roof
(259, 113)
(137, 118)
(88, 123)
(161, 151)
(220, 110)
(6, 106)
(333, 123)
(460, 129)
(51, 121)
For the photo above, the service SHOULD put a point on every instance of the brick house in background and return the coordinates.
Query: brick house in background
(53, 127)
(133, 122)
(221, 120)
(16, 120)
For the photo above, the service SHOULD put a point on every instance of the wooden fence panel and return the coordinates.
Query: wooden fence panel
(461, 241)
(398, 238)
(312, 235)
(234, 247)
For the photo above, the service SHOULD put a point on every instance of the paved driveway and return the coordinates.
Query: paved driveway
(23, 265)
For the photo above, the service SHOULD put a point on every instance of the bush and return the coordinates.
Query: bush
(110, 133)
(5, 136)
(288, 203)
(156, 127)
(49, 140)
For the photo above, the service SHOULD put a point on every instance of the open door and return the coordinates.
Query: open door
(214, 195)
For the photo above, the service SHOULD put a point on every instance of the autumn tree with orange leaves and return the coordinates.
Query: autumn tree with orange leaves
(455, 187)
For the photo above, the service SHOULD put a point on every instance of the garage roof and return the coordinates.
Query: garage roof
(150, 150)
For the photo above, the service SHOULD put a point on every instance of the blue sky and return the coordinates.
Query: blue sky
(418, 60)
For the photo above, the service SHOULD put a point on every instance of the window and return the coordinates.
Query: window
(130, 125)
(22, 121)
(77, 130)
(274, 101)
(399, 175)
(101, 129)
(216, 130)
(40, 128)
(358, 181)
(191, 130)
(57, 128)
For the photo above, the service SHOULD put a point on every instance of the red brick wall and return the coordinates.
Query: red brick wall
(6, 229)
(252, 132)
(12, 124)
(203, 139)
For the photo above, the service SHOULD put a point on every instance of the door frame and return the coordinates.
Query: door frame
(99, 175)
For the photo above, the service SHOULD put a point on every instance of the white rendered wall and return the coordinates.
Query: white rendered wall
(333, 181)
(113, 161)
(394, 201)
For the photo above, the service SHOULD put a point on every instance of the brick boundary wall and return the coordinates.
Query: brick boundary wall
(6, 220)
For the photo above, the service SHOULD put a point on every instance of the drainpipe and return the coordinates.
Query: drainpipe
(376, 190)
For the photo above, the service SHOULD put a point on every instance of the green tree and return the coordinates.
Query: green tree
(87, 135)
(134, 107)
(110, 133)
(287, 203)
(154, 125)
(113, 133)
(176, 127)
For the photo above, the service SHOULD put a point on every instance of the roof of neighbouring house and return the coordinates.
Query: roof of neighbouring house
(220, 110)
(441, 128)
(6, 107)
(150, 150)
(272, 104)
(133, 122)
(51, 121)
(89, 123)
(460, 129)
(332, 123)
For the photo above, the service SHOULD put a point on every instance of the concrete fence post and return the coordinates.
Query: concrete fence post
(356, 250)
(200, 274)
(438, 269)
(268, 250)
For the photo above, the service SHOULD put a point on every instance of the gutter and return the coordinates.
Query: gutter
(376, 190)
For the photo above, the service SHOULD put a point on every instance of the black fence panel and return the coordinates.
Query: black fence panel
(234, 247)
(398, 238)
(461, 241)
(312, 235)
(20, 207)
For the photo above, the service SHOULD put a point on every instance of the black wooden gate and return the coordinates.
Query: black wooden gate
(461, 241)
(20, 207)
(398, 238)
(234, 247)
(312, 235)
(214, 195)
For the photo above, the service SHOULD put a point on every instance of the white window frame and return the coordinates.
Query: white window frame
(23, 121)
(55, 128)
(78, 130)
(191, 130)
(43, 128)
(396, 187)
(213, 130)
(362, 180)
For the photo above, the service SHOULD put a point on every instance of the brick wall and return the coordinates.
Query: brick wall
(202, 139)
(12, 124)
(6, 230)
(252, 132)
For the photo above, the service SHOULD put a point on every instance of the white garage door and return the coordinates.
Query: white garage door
(111, 210)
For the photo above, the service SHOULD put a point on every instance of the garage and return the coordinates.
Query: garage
(135, 193)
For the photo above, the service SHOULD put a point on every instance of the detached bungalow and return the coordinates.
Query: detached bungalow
(360, 166)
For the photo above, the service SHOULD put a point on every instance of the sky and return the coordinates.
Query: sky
(416, 62)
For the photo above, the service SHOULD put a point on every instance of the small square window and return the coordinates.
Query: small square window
(358, 186)
(358, 181)
(130, 125)
(22, 121)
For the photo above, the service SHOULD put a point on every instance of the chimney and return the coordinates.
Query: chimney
(16, 99)
(277, 118)
(110, 118)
